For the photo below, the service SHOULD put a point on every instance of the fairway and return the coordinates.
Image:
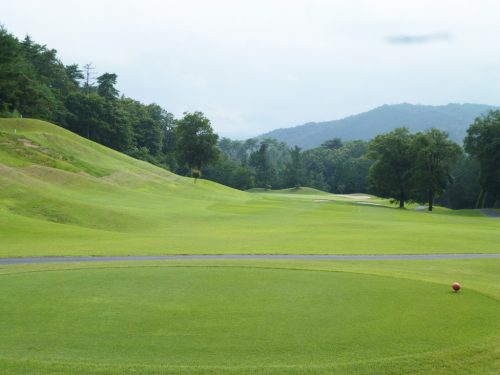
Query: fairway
(61, 194)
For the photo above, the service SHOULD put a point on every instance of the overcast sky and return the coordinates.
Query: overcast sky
(253, 66)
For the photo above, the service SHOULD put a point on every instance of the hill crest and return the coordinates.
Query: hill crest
(453, 118)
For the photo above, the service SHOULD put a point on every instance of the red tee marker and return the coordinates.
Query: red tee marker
(455, 286)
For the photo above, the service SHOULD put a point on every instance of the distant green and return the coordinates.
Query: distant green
(61, 194)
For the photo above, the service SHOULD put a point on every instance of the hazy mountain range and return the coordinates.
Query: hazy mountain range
(453, 118)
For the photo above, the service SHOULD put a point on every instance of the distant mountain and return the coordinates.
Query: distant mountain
(453, 118)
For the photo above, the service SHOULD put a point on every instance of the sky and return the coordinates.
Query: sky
(252, 66)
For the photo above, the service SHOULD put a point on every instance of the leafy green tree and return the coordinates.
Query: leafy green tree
(50, 71)
(391, 173)
(74, 73)
(351, 167)
(338, 168)
(332, 144)
(231, 148)
(35, 83)
(168, 127)
(294, 173)
(103, 122)
(242, 178)
(86, 115)
(483, 143)
(434, 156)
(196, 142)
(249, 146)
(149, 134)
(264, 171)
(106, 86)
(465, 190)
(13, 68)
(51, 82)
(321, 167)
(118, 134)
(22, 89)
(317, 180)
(146, 125)
(230, 172)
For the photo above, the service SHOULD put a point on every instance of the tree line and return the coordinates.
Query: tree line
(423, 167)
(34, 83)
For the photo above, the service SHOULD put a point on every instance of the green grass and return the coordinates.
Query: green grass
(298, 190)
(61, 194)
(386, 317)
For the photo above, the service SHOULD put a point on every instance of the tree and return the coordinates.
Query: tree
(149, 134)
(168, 127)
(435, 156)
(294, 173)
(464, 191)
(351, 167)
(118, 134)
(229, 172)
(264, 171)
(333, 144)
(22, 89)
(74, 73)
(35, 83)
(242, 178)
(390, 174)
(106, 86)
(196, 142)
(13, 70)
(86, 114)
(88, 85)
(146, 126)
(321, 167)
(483, 143)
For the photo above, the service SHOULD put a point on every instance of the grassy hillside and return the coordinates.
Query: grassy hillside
(61, 194)
(452, 118)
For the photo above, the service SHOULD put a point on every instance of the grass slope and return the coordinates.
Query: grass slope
(232, 317)
(61, 194)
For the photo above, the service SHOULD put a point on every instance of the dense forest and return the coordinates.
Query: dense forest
(425, 166)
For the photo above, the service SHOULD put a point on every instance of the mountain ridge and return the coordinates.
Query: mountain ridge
(454, 118)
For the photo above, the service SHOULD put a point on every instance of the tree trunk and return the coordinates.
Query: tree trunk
(483, 203)
(431, 200)
(402, 199)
